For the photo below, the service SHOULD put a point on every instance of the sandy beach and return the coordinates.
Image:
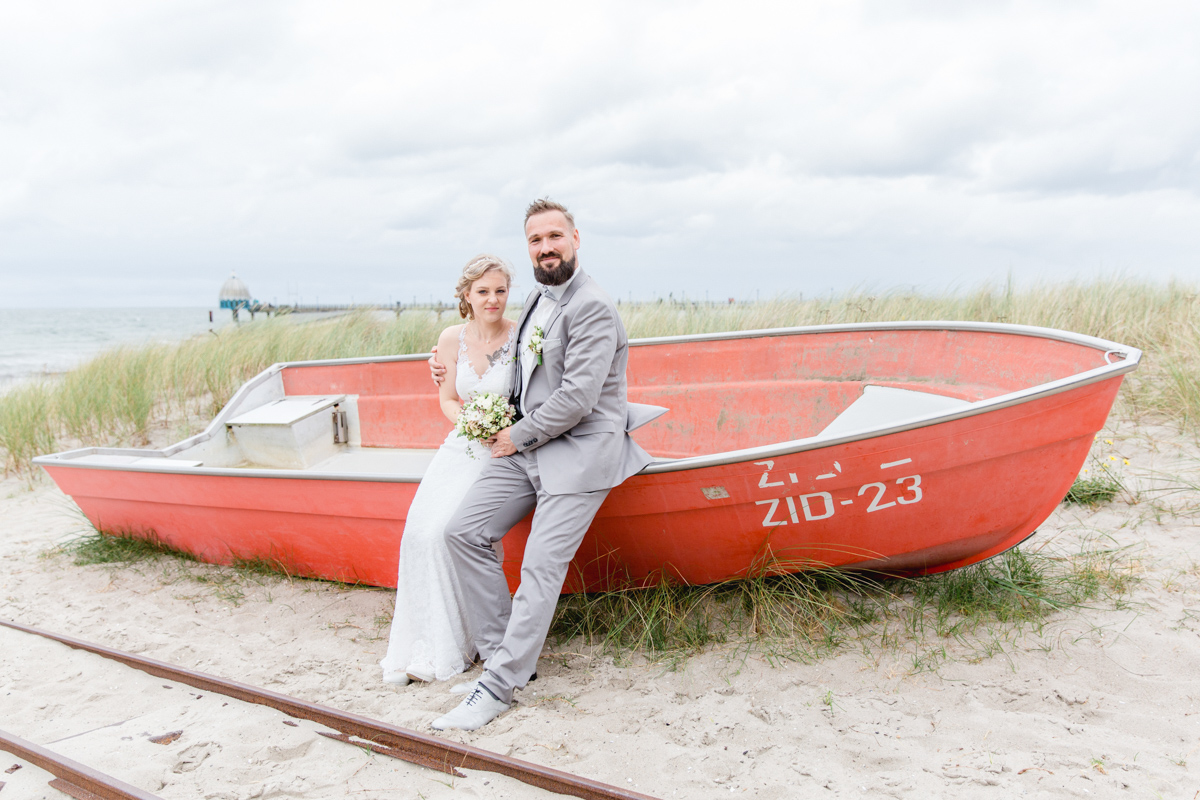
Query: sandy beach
(1101, 702)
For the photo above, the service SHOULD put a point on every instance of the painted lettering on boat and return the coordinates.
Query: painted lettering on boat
(767, 521)
(765, 481)
(837, 470)
(816, 506)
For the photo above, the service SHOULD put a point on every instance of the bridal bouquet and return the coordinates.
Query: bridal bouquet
(483, 416)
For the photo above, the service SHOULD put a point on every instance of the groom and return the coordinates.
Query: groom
(568, 449)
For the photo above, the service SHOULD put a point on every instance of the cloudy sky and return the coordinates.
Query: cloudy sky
(365, 150)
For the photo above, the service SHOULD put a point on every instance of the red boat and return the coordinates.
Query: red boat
(900, 447)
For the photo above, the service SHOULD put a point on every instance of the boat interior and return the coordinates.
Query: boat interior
(382, 417)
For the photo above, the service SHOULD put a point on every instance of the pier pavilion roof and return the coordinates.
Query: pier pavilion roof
(234, 289)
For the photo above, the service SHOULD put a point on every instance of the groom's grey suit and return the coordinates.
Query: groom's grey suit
(573, 447)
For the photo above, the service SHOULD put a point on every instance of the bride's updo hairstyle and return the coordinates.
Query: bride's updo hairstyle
(475, 269)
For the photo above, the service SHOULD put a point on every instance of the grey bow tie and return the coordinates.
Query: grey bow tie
(547, 292)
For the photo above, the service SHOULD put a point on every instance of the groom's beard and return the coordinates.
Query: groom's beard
(555, 276)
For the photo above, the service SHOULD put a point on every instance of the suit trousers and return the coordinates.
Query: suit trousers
(510, 632)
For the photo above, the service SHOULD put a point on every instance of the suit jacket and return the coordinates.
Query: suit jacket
(577, 416)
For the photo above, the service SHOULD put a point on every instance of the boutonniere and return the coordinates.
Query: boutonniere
(535, 343)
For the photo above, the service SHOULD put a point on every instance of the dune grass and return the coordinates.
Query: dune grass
(119, 396)
(1094, 489)
(118, 547)
(976, 612)
(28, 424)
(125, 549)
(805, 615)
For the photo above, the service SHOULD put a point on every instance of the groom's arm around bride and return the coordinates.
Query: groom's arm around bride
(569, 449)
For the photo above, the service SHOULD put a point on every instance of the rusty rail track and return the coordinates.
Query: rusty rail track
(381, 737)
(71, 777)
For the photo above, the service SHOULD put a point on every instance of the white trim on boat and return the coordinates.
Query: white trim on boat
(1131, 357)
(924, 325)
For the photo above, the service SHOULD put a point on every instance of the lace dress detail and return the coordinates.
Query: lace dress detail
(430, 634)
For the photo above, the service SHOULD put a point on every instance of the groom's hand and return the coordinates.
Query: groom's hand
(503, 445)
(436, 368)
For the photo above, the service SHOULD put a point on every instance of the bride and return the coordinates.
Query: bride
(430, 638)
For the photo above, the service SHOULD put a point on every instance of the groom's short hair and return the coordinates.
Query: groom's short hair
(542, 205)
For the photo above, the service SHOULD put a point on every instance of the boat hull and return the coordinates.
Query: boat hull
(930, 498)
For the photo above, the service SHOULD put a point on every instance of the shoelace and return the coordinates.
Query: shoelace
(478, 693)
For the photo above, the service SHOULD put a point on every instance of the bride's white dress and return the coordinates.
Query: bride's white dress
(430, 633)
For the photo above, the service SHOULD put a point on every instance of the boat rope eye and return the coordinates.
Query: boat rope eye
(1121, 355)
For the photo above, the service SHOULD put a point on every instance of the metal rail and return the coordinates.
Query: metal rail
(71, 777)
(417, 748)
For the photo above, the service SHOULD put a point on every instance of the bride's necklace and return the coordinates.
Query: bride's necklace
(486, 340)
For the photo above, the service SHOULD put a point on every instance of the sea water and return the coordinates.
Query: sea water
(45, 342)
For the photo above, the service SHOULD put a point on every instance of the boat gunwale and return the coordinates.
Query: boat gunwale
(1131, 358)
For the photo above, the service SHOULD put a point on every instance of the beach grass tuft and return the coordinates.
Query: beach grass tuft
(127, 549)
(227, 582)
(1101, 480)
(27, 425)
(260, 565)
(805, 615)
(1014, 587)
(1176, 493)
(1094, 490)
(119, 547)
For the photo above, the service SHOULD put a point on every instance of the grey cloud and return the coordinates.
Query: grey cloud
(353, 150)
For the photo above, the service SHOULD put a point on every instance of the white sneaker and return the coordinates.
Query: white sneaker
(478, 709)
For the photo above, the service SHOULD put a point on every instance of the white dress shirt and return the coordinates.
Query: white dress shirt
(538, 318)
